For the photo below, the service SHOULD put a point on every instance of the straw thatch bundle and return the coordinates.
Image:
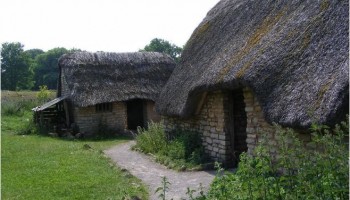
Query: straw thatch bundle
(92, 78)
(293, 55)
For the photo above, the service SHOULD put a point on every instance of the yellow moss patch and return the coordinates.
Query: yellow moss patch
(324, 5)
(322, 91)
(252, 41)
(198, 34)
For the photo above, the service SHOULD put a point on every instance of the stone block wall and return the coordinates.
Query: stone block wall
(151, 114)
(229, 121)
(219, 118)
(257, 126)
(88, 119)
(210, 122)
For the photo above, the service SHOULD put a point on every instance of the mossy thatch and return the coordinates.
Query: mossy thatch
(91, 78)
(294, 56)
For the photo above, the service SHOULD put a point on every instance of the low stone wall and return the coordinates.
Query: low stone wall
(88, 119)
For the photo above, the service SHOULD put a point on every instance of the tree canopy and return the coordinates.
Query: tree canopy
(30, 69)
(32, 53)
(163, 46)
(46, 68)
(16, 73)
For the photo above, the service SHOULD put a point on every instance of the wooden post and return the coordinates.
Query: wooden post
(66, 111)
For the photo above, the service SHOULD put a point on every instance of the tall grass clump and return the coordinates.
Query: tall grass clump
(318, 170)
(179, 150)
(151, 140)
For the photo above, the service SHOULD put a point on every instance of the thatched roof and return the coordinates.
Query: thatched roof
(292, 54)
(92, 78)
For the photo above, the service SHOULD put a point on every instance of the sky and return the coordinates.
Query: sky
(99, 25)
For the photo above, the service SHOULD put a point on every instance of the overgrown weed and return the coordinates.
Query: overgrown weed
(180, 150)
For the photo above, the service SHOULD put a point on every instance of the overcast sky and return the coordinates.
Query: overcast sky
(99, 25)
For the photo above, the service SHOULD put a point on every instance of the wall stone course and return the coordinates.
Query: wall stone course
(211, 122)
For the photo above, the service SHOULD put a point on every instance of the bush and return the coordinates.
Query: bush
(11, 108)
(103, 131)
(44, 94)
(151, 140)
(178, 150)
(16, 108)
(318, 171)
(29, 127)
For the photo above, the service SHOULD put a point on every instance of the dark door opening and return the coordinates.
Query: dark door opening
(237, 125)
(135, 114)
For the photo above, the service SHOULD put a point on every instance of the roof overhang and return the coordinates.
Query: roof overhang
(48, 104)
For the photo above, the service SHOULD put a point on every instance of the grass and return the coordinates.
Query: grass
(40, 167)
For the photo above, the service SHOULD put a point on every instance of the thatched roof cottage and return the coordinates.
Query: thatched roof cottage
(253, 63)
(115, 90)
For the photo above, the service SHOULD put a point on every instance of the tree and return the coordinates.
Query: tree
(16, 73)
(32, 53)
(46, 68)
(163, 46)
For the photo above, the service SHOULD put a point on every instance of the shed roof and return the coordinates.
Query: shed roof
(48, 104)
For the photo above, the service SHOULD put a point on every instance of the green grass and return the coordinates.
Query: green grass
(41, 167)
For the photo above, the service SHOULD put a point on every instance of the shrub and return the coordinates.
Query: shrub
(103, 131)
(27, 128)
(318, 171)
(17, 107)
(178, 150)
(151, 140)
(44, 94)
(11, 108)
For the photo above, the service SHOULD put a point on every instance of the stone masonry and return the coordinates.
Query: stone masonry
(210, 122)
(213, 123)
(88, 119)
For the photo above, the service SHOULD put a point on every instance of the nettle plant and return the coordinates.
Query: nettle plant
(318, 170)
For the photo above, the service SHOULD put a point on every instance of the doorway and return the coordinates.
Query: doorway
(135, 114)
(237, 125)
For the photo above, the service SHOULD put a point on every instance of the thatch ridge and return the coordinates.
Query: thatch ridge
(91, 78)
(292, 54)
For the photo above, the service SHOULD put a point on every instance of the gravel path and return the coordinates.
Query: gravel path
(151, 173)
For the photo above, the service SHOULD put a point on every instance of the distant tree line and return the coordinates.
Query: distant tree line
(27, 70)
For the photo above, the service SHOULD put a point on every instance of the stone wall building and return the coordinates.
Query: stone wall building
(110, 91)
(250, 64)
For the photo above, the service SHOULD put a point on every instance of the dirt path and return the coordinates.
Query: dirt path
(151, 173)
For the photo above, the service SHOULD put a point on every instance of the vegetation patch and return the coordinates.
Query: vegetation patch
(316, 171)
(41, 167)
(181, 150)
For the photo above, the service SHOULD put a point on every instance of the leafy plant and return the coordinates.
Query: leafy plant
(43, 94)
(103, 131)
(163, 189)
(28, 128)
(151, 140)
(315, 171)
(179, 150)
